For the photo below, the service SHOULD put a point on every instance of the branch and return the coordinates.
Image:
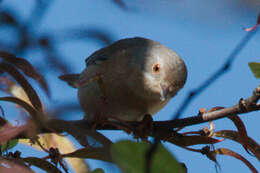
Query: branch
(221, 71)
(160, 129)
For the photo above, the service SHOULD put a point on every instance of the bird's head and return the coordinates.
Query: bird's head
(161, 72)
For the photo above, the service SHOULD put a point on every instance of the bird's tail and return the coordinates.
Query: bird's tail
(71, 79)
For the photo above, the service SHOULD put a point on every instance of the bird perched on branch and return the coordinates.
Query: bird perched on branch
(128, 79)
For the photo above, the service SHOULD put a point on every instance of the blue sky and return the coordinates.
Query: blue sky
(203, 33)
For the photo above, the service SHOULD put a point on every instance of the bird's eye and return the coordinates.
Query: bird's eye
(156, 68)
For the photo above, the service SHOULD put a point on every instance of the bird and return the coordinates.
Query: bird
(128, 79)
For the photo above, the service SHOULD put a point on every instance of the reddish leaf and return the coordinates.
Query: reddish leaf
(253, 146)
(32, 95)
(2, 121)
(8, 132)
(227, 152)
(13, 166)
(255, 26)
(26, 67)
(241, 131)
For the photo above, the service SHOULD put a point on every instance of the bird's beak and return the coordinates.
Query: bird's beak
(164, 91)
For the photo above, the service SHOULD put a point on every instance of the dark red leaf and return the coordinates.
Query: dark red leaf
(253, 146)
(227, 152)
(21, 103)
(32, 95)
(241, 131)
(8, 132)
(13, 166)
(26, 67)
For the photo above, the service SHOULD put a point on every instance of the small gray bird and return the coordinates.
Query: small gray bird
(128, 79)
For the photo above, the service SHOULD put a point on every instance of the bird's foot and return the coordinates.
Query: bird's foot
(144, 128)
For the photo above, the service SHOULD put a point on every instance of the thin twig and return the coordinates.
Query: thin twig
(221, 71)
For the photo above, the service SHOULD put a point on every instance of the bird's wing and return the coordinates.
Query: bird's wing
(110, 51)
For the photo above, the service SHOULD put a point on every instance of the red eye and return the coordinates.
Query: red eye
(156, 68)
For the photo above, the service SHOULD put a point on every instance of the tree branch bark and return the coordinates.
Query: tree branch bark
(159, 128)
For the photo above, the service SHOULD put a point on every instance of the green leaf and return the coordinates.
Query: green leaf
(98, 170)
(8, 145)
(130, 157)
(255, 68)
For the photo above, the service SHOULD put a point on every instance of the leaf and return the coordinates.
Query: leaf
(98, 170)
(13, 165)
(63, 144)
(32, 95)
(120, 3)
(41, 163)
(255, 68)
(130, 157)
(8, 145)
(21, 103)
(91, 153)
(97, 34)
(8, 132)
(192, 140)
(241, 130)
(7, 17)
(26, 67)
(227, 152)
(253, 146)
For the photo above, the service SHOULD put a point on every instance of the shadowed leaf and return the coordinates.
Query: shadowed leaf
(8, 132)
(91, 153)
(13, 166)
(65, 146)
(130, 157)
(120, 3)
(7, 17)
(193, 140)
(98, 170)
(40, 8)
(21, 103)
(8, 145)
(26, 67)
(255, 68)
(96, 34)
(52, 56)
(43, 164)
(32, 95)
